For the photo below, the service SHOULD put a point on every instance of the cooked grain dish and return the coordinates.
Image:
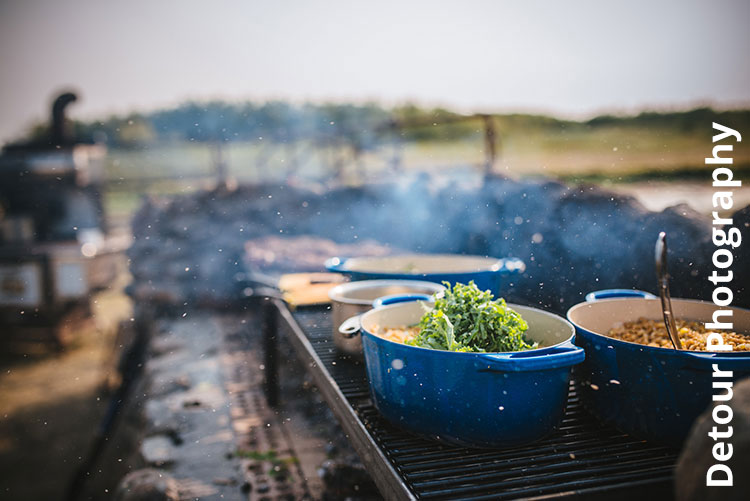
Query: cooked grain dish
(692, 334)
(397, 334)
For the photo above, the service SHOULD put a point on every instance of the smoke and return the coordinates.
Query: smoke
(572, 239)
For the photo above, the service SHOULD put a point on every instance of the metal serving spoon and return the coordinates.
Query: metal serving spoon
(663, 286)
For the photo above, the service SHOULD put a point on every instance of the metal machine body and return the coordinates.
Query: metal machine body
(55, 248)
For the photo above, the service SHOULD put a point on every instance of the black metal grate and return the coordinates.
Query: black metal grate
(582, 459)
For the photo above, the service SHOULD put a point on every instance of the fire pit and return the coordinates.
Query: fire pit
(214, 248)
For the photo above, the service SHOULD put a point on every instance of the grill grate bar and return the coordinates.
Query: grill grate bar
(511, 469)
(533, 484)
(422, 449)
(474, 463)
(631, 483)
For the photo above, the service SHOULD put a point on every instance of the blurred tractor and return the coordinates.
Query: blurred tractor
(55, 249)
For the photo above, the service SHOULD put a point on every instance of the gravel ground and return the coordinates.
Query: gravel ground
(208, 427)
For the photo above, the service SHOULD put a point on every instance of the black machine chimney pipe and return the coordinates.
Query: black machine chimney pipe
(59, 127)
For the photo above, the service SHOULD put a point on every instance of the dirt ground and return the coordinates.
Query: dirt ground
(51, 402)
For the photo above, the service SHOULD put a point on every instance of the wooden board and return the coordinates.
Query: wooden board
(303, 289)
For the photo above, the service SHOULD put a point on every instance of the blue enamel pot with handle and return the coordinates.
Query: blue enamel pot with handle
(649, 392)
(470, 399)
(488, 273)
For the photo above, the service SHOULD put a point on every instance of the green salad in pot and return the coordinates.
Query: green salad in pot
(467, 319)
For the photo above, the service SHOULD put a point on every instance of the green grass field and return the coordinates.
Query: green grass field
(603, 154)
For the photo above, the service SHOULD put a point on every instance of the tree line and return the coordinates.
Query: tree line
(359, 125)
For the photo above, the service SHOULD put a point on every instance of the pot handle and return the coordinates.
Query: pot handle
(336, 264)
(510, 265)
(556, 357)
(612, 293)
(703, 361)
(350, 327)
(399, 298)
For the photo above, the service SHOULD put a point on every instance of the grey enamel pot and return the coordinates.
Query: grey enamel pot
(354, 298)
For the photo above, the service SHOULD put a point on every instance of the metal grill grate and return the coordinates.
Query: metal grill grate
(583, 458)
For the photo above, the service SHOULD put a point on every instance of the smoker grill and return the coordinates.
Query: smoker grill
(55, 248)
(582, 460)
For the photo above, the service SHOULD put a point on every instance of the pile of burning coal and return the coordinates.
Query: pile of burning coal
(573, 239)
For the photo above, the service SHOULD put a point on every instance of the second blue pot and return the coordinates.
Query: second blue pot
(650, 392)
(488, 273)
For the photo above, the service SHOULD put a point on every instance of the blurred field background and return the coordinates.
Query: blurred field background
(182, 148)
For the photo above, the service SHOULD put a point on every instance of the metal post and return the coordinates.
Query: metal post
(490, 150)
(270, 351)
(220, 166)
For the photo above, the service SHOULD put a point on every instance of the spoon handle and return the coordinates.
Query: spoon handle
(663, 285)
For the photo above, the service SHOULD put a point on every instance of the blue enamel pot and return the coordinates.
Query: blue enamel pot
(488, 273)
(651, 393)
(471, 399)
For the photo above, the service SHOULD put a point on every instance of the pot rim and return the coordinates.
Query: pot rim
(337, 293)
(566, 341)
(643, 347)
(494, 265)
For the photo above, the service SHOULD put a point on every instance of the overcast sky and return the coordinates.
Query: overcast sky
(574, 58)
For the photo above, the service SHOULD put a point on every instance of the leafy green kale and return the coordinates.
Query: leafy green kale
(468, 319)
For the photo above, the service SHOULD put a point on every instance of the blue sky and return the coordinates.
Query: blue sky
(573, 58)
